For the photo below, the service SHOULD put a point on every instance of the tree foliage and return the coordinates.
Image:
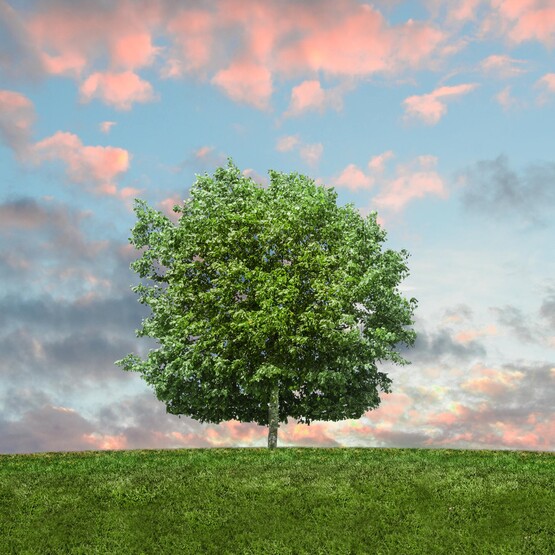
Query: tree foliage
(259, 290)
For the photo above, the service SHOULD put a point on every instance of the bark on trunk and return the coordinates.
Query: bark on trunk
(273, 417)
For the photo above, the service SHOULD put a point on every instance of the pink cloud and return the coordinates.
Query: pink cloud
(548, 80)
(311, 153)
(309, 95)
(17, 115)
(448, 418)
(491, 382)
(470, 335)
(353, 178)
(414, 180)
(392, 408)
(71, 39)
(239, 45)
(512, 9)
(120, 90)
(541, 436)
(359, 42)
(377, 163)
(69, 63)
(99, 441)
(345, 38)
(255, 176)
(505, 99)
(203, 151)
(501, 66)
(546, 85)
(129, 192)
(287, 143)
(205, 156)
(246, 82)
(429, 108)
(167, 207)
(465, 10)
(403, 189)
(522, 20)
(89, 165)
(265, 23)
(133, 50)
(193, 36)
(538, 24)
(105, 126)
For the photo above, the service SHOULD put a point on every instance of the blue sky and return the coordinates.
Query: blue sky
(438, 115)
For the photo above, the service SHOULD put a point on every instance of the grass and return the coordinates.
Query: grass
(285, 501)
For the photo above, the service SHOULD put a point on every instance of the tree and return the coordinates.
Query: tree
(256, 294)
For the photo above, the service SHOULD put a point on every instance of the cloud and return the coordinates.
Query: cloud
(167, 205)
(547, 309)
(235, 47)
(480, 407)
(202, 159)
(513, 319)
(377, 163)
(353, 178)
(532, 21)
(546, 84)
(429, 108)
(44, 245)
(491, 188)
(89, 165)
(207, 157)
(120, 90)
(69, 64)
(60, 227)
(20, 60)
(430, 347)
(17, 115)
(310, 153)
(465, 10)
(356, 41)
(256, 177)
(86, 32)
(194, 33)
(506, 100)
(133, 50)
(284, 144)
(95, 166)
(310, 95)
(113, 312)
(246, 82)
(470, 334)
(502, 67)
(548, 80)
(105, 126)
(511, 409)
(414, 180)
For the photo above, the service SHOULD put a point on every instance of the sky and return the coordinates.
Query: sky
(437, 114)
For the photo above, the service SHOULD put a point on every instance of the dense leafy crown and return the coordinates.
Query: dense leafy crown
(256, 286)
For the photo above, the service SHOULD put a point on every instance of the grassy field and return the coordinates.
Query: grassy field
(285, 501)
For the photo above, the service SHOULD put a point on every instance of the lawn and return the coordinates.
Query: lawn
(285, 501)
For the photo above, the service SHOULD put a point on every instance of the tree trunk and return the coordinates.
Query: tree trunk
(273, 417)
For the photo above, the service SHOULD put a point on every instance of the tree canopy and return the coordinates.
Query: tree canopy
(255, 296)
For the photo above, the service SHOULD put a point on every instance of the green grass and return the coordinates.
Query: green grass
(285, 501)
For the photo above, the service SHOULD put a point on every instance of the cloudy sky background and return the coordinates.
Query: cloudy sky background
(439, 115)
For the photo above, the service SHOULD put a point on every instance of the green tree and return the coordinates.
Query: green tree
(256, 294)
